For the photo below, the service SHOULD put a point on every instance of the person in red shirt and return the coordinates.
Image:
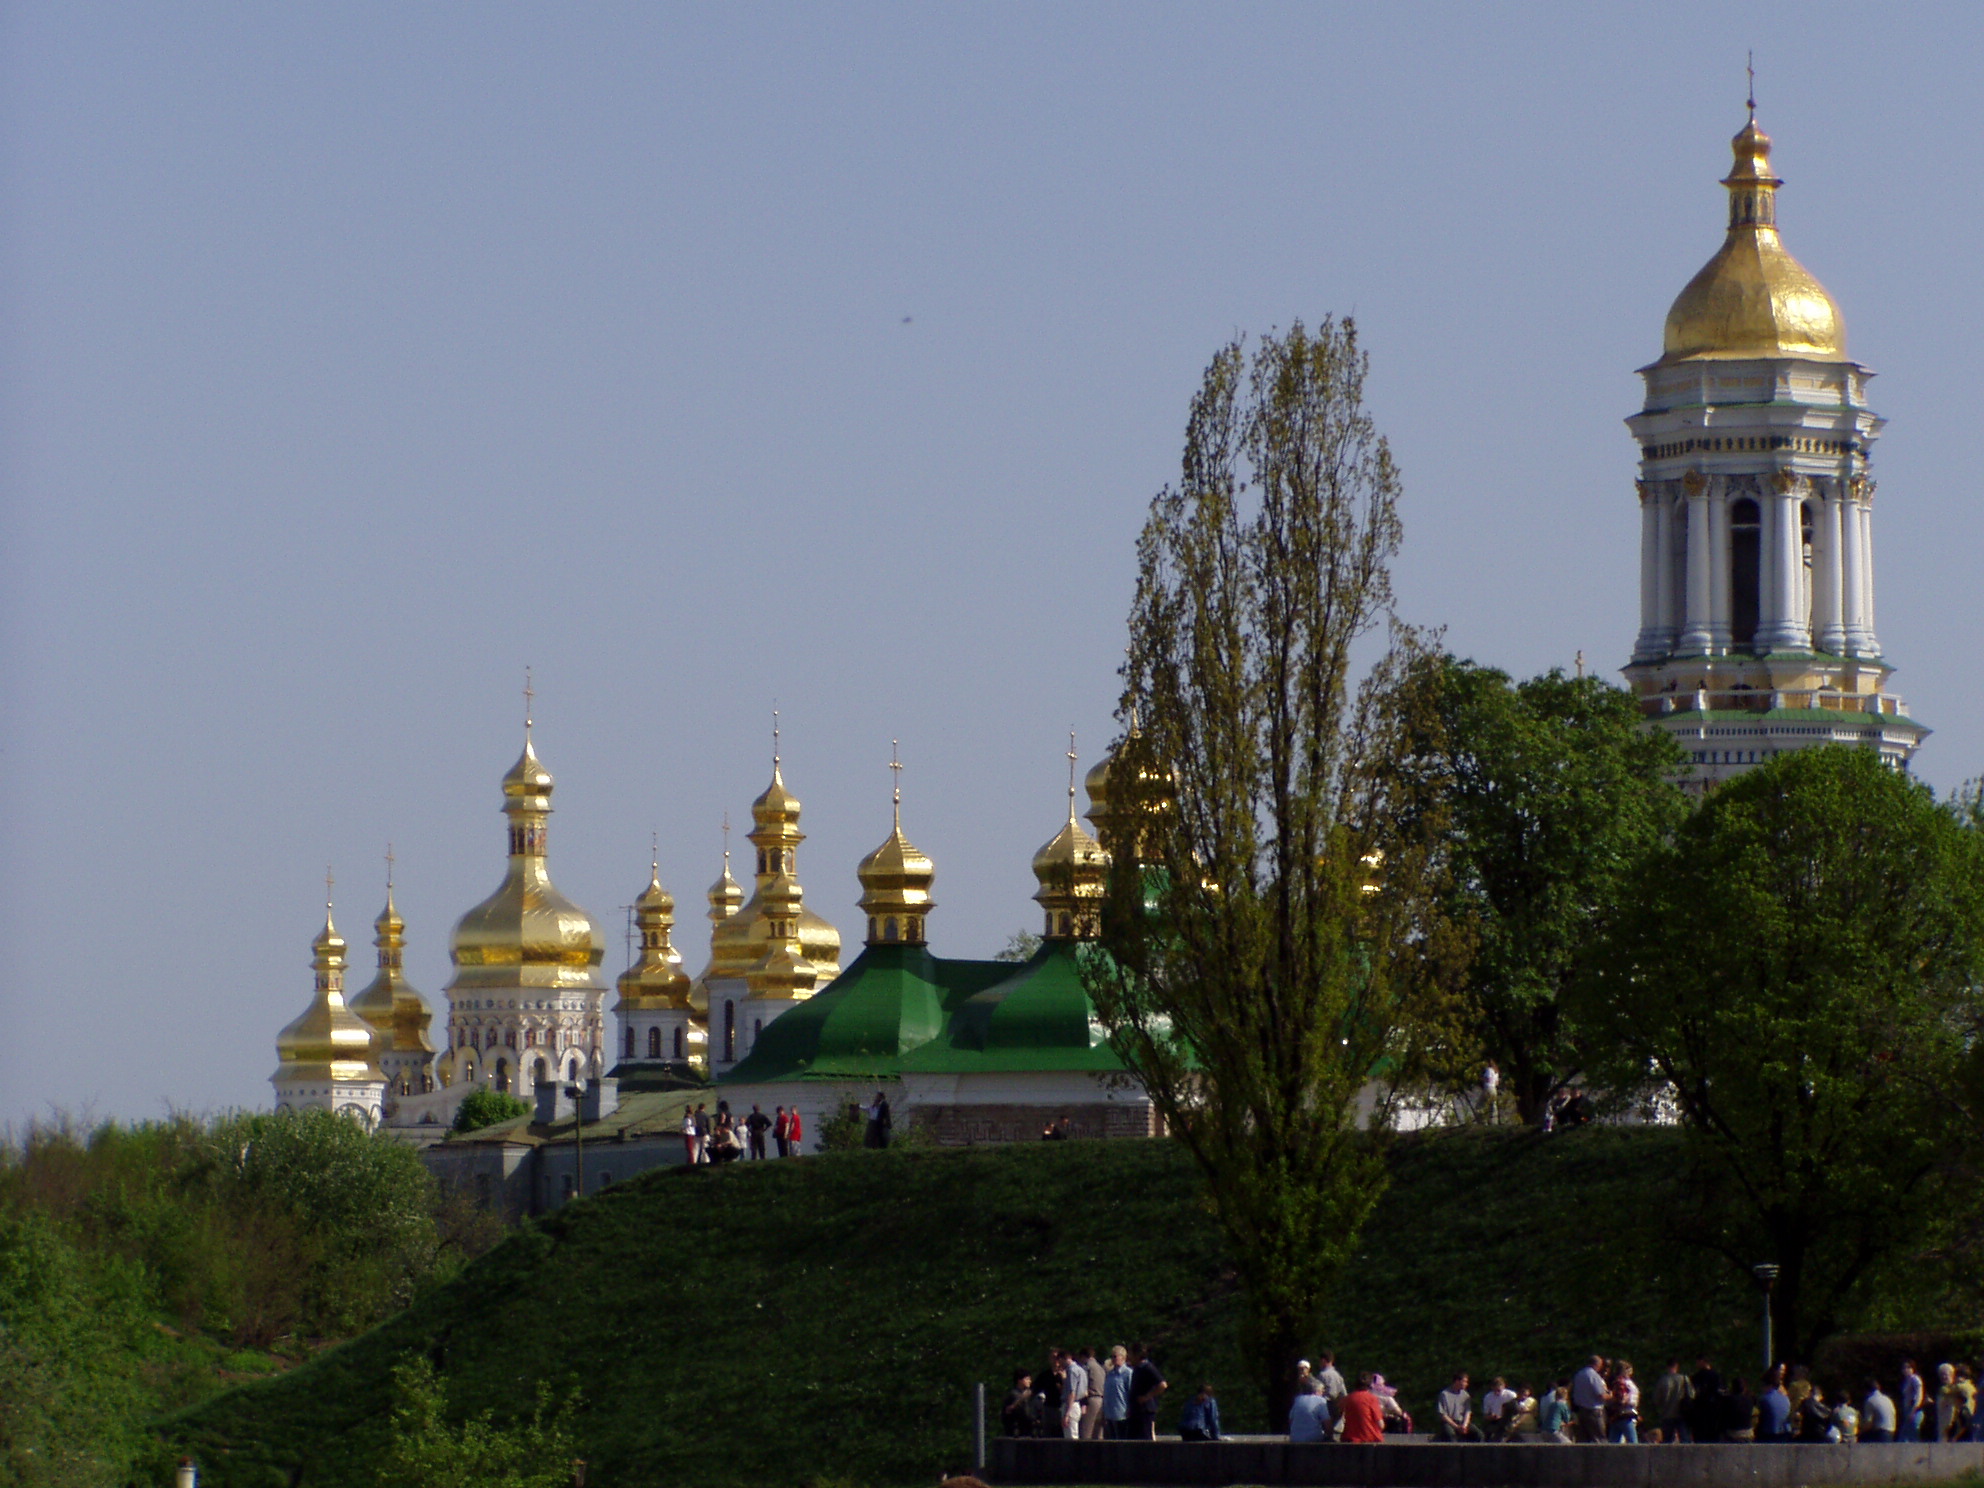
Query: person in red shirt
(1363, 1416)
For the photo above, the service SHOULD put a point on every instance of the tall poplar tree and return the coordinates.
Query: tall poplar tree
(1257, 898)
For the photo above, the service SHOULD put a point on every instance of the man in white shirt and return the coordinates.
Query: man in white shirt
(1309, 1417)
(1496, 1417)
(1877, 1414)
(1588, 1397)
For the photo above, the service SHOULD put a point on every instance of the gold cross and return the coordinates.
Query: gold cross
(1072, 757)
(528, 695)
(389, 867)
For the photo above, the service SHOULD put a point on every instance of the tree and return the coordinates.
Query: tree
(1248, 983)
(1534, 800)
(1799, 968)
(536, 1452)
(486, 1107)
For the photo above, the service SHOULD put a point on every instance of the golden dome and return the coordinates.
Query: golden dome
(395, 1011)
(328, 1041)
(895, 887)
(739, 942)
(526, 934)
(777, 807)
(1753, 299)
(655, 981)
(1073, 871)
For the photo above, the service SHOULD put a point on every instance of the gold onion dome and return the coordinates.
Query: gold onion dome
(1753, 299)
(655, 981)
(740, 943)
(395, 1011)
(1073, 871)
(526, 933)
(726, 896)
(328, 1041)
(895, 886)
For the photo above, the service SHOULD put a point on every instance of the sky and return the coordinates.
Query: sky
(712, 359)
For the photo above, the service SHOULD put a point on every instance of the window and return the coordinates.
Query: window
(1745, 572)
(654, 1043)
(630, 1043)
(757, 1027)
(538, 1073)
(510, 1038)
(678, 1043)
(889, 928)
(729, 1032)
(502, 1074)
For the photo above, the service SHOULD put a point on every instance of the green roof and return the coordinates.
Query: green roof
(891, 1000)
(1039, 1018)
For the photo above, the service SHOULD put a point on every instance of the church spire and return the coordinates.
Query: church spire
(895, 879)
(1071, 869)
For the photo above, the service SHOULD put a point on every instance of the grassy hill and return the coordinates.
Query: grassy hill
(824, 1320)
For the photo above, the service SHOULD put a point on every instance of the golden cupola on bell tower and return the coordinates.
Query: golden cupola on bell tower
(327, 1057)
(654, 1007)
(1073, 872)
(398, 1015)
(526, 1002)
(895, 882)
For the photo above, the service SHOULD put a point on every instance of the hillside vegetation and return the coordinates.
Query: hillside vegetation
(823, 1320)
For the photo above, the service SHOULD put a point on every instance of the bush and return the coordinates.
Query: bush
(428, 1450)
(480, 1108)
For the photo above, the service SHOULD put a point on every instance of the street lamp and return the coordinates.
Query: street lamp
(578, 1092)
(1766, 1275)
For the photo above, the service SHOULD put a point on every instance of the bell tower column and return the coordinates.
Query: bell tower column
(1695, 638)
(1864, 511)
(1785, 626)
(1828, 628)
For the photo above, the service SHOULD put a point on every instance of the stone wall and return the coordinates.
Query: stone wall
(985, 1125)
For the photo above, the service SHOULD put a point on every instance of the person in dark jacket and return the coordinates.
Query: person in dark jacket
(1020, 1415)
(1199, 1421)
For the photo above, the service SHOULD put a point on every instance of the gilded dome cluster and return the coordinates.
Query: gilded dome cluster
(1753, 299)
(327, 1041)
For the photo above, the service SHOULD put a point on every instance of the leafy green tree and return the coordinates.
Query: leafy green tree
(427, 1448)
(1250, 982)
(1020, 946)
(480, 1108)
(1535, 801)
(1799, 970)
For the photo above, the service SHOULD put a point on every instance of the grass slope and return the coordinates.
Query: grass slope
(770, 1324)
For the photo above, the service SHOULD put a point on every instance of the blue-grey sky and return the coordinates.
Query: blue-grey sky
(357, 356)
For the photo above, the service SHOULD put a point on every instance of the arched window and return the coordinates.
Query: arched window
(502, 1074)
(1745, 572)
(757, 1027)
(572, 1070)
(889, 928)
(654, 1043)
(538, 1073)
(630, 1042)
(871, 927)
(1066, 926)
(729, 1032)
(510, 1038)
(678, 1042)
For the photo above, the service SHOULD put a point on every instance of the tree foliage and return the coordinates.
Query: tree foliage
(1534, 800)
(486, 1107)
(1799, 968)
(428, 1448)
(1249, 984)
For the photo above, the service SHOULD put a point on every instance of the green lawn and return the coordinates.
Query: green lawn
(822, 1320)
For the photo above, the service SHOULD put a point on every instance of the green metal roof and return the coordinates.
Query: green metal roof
(1039, 1018)
(891, 1000)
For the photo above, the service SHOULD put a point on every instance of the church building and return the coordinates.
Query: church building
(1757, 511)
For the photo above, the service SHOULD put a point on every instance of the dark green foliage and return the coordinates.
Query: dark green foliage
(1535, 799)
(768, 1324)
(1249, 977)
(431, 1448)
(480, 1108)
(1799, 969)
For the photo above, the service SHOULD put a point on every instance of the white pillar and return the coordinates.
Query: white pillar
(1649, 644)
(1828, 622)
(1866, 510)
(1663, 515)
(1852, 575)
(1694, 639)
(1788, 628)
(1719, 605)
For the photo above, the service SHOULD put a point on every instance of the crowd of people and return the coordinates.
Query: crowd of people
(723, 1138)
(1080, 1395)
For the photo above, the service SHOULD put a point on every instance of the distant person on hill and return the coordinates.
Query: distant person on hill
(1555, 1417)
(1309, 1414)
(1908, 1404)
(798, 1132)
(1498, 1410)
(1363, 1416)
(1020, 1415)
(1775, 1423)
(877, 1112)
(1814, 1416)
(782, 1131)
(1877, 1414)
(1047, 1384)
(1522, 1414)
(1334, 1388)
(1454, 1421)
(1397, 1418)
(1491, 1082)
(1797, 1387)
(689, 1142)
(1622, 1412)
(1093, 1381)
(1737, 1413)
(702, 1132)
(757, 1124)
(1116, 1395)
(1704, 1413)
(1667, 1404)
(1074, 1389)
(1588, 1398)
(1146, 1387)
(1199, 1420)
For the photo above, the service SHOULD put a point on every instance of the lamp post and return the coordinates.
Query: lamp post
(1766, 1275)
(578, 1094)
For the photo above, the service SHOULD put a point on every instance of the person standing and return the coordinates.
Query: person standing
(797, 1133)
(1018, 1415)
(1775, 1422)
(1588, 1398)
(1667, 1404)
(1363, 1415)
(1334, 1387)
(1908, 1405)
(1092, 1374)
(1309, 1414)
(1147, 1385)
(1705, 1403)
(1199, 1421)
(1074, 1387)
(1622, 1413)
(782, 1131)
(1491, 1083)
(702, 1132)
(689, 1135)
(1116, 1395)
(755, 1126)
(1555, 1418)
(1877, 1414)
